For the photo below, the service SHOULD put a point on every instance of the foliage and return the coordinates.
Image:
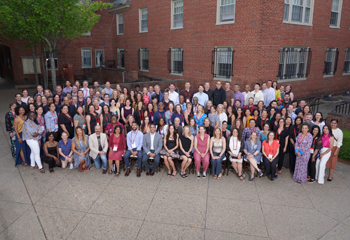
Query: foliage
(344, 152)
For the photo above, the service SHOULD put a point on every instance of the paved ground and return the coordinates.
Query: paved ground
(89, 205)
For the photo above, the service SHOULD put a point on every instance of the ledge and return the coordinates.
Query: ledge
(119, 6)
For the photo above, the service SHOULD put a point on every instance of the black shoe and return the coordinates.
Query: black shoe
(329, 180)
(311, 181)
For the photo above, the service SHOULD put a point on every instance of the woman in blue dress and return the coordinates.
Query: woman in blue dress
(80, 147)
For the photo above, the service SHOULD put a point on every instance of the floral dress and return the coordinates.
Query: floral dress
(9, 119)
(301, 164)
(81, 148)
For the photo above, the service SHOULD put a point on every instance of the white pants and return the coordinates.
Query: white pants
(321, 165)
(34, 153)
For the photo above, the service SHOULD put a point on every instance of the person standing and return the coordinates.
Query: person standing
(67, 89)
(249, 130)
(302, 150)
(325, 153)
(65, 122)
(9, 120)
(134, 143)
(98, 148)
(238, 95)
(246, 94)
(338, 142)
(173, 95)
(108, 89)
(201, 152)
(257, 95)
(208, 91)
(201, 95)
(230, 95)
(85, 89)
(219, 95)
(152, 145)
(314, 151)
(282, 137)
(187, 92)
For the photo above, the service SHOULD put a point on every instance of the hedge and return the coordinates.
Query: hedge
(344, 152)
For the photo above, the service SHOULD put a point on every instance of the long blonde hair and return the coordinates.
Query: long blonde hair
(77, 137)
(189, 131)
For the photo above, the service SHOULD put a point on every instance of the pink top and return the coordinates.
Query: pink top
(202, 145)
(325, 140)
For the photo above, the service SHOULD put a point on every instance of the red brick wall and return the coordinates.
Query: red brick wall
(256, 36)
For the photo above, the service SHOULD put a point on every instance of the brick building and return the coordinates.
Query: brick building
(305, 43)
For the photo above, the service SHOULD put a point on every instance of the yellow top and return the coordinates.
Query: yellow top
(277, 94)
(20, 125)
(247, 124)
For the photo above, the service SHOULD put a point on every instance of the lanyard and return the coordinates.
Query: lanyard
(198, 118)
(134, 137)
(206, 130)
(69, 117)
(195, 109)
(41, 121)
(313, 144)
(187, 94)
(160, 115)
(140, 114)
(278, 135)
(115, 139)
(249, 131)
(96, 117)
(54, 117)
(108, 117)
(302, 138)
(189, 112)
(182, 119)
(234, 144)
(224, 133)
(81, 103)
(146, 129)
(82, 118)
(150, 114)
(13, 114)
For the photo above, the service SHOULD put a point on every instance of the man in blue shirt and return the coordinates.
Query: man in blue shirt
(201, 96)
(158, 94)
(134, 141)
(108, 89)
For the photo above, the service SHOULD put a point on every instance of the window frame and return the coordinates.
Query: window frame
(340, 7)
(103, 58)
(82, 56)
(140, 19)
(47, 59)
(172, 22)
(290, 11)
(347, 53)
(171, 60)
(334, 61)
(215, 64)
(118, 23)
(30, 60)
(141, 67)
(218, 14)
(119, 50)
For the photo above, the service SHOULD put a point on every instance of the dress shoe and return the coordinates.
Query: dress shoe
(148, 173)
(104, 171)
(151, 173)
(127, 172)
(138, 174)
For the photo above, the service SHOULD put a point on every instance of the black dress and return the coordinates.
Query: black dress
(260, 123)
(50, 160)
(281, 137)
(209, 130)
(293, 133)
(106, 119)
(186, 144)
(138, 115)
(67, 121)
(93, 122)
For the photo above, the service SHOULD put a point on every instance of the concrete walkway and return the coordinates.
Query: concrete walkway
(89, 205)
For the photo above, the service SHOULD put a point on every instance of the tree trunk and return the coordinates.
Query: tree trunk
(43, 63)
(34, 65)
(53, 71)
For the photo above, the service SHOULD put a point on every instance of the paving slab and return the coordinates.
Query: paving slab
(220, 235)
(10, 212)
(339, 232)
(14, 191)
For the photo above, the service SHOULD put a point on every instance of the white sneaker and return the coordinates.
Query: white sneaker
(71, 166)
(204, 175)
(198, 175)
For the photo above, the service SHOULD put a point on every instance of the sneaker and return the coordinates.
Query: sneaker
(71, 166)
(260, 173)
(89, 169)
(311, 181)
(204, 175)
(198, 175)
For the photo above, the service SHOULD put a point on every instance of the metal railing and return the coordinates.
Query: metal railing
(313, 102)
(342, 108)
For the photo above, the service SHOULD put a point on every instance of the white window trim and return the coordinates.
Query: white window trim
(118, 52)
(87, 33)
(298, 65)
(118, 24)
(103, 54)
(30, 62)
(312, 4)
(333, 63)
(223, 79)
(141, 69)
(172, 17)
(82, 50)
(171, 63)
(339, 14)
(218, 14)
(48, 59)
(140, 18)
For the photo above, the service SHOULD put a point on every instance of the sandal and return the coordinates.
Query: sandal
(219, 176)
(116, 175)
(26, 165)
(329, 179)
(42, 170)
(241, 178)
(34, 167)
(214, 176)
(110, 172)
(52, 171)
(173, 175)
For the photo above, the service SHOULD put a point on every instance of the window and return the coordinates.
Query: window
(175, 60)
(48, 62)
(298, 11)
(336, 12)
(294, 63)
(121, 60)
(86, 58)
(225, 11)
(143, 20)
(120, 24)
(87, 33)
(347, 61)
(177, 14)
(27, 63)
(143, 62)
(330, 64)
(222, 60)
(99, 57)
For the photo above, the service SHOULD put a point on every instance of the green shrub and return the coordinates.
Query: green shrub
(344, 152)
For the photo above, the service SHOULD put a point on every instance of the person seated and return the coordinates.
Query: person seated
(98, 148)
(270, 151)
(80, 147)
(51, 152)
(252, 153)
(65, 150)
(152, 144)
(134, 143)
(249, 130)
(235, 150)
(201, 153)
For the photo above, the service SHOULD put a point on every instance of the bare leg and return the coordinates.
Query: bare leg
(239, 168)
(172, 165)
(252, 171)
(235, 167)
(64, 164)
(189, 160)
(331, 171)
(252, 161)
(110, 163)
(22, 156)
(166, 162)
(117, 164)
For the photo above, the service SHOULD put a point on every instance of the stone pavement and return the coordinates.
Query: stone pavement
(89, 205)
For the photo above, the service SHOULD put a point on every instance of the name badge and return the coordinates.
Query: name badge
(42, 128)
(56, 127)
(141, 122)
(270, 156)
(311, 150)
(187, 100)
(255, 147)
(97, 124)
(133, 145)
(183, 124)
(152, 118)
(84, 126)
(278, 141)
(72, 124)
(115, 148)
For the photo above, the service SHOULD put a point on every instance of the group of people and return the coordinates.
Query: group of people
(80, 126)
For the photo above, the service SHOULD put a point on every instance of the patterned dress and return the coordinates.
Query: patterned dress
(81, 148)
(9, 119)
(301, 164)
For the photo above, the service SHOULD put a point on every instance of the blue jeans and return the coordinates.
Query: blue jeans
(217, 164)
(139, 159)
(145, 158)
(98, 159)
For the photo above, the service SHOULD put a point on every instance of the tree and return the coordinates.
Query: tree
(67, 19)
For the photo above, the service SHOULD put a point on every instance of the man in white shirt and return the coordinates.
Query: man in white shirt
(85, 89)
(173, 95)
(257, 95)
(267, 95)
(246, 94)
(272, 94)
(108, 89)
(338, 142)
(152, 144)
(201, 96)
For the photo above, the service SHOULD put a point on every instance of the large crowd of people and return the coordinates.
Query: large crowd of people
(265, 128)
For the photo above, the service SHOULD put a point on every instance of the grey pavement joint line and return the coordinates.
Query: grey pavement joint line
(18, 216)
(206, 204)
(42, 228)
(262, 210)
